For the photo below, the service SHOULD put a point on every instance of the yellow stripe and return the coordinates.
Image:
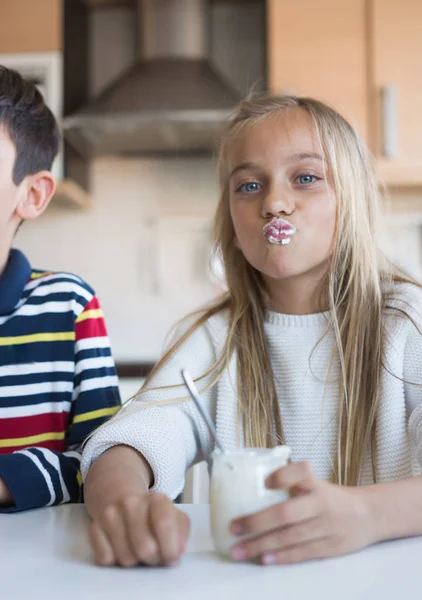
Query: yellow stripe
(37, 275)
(95, 313)
(60, 336)
(32, 439)
(96, 414)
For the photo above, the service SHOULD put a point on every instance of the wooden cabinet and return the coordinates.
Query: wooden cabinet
(319, 49)
(396, 29)
(30, 26)
(361, 57)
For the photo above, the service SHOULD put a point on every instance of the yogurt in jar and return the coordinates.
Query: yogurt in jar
(238, 489)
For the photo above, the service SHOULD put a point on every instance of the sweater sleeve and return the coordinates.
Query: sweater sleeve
(38, 476)
(162, 423)
(412, 376)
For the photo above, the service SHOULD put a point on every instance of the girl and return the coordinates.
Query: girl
(316, 344)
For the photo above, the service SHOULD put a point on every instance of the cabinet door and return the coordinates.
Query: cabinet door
(319, 49)
(30, 25)
(396, 27)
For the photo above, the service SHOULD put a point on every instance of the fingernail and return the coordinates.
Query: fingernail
(269, 558)
(239, 553)
(236, 528)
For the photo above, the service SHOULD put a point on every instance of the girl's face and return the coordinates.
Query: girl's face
(281, 198)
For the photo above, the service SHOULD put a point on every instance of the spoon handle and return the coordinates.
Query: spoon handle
(195, 397)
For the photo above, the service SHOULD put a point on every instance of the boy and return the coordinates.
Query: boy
(57, 376)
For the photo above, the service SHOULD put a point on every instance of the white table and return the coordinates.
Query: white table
(44, 555)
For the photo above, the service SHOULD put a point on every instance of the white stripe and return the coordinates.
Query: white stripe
(44, 472)
(33, 283)
(54, 461)
(32, 310)
(64, 366)
(92, 343)
(72, 454)
(51, 307)
(32, 410)
(74, 285)
(64, 287)
(96, 383)
(31, 389)
(61, 287)
(97, 362)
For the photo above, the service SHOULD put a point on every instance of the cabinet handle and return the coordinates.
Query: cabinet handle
(389, 121)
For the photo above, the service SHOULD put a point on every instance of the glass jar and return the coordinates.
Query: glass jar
(238, 488)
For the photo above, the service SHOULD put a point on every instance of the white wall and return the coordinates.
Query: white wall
(143, 246)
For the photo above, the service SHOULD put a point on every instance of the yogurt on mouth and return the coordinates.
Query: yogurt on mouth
(238, 489)
(278, 231)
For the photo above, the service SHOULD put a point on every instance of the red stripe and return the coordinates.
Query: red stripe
(92, 304)
(33, 425)
(90, 328)
(56, 445)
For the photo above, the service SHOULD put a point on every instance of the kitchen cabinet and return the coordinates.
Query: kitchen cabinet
(30, 26)
(319, 49)
(360, 56)
(396, 27)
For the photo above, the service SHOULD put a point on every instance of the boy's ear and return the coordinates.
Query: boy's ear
(37, 193)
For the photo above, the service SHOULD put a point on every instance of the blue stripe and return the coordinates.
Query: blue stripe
(50, 396)
(45, 323)
(93, 400)
(94, 374)
(37, 352)
(51, 377)
(60, 297)
(52, 472)
(20, 475)
(93, 353)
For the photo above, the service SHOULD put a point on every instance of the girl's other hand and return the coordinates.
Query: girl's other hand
(320, 520)
(142, 528)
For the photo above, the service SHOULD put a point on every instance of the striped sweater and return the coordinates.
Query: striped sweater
(57, 381)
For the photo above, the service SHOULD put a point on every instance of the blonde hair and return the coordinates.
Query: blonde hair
(356, 286)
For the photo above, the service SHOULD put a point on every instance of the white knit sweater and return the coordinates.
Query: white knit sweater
(172, 437)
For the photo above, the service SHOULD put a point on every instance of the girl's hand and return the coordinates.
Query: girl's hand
(320, 520)
(141, 528)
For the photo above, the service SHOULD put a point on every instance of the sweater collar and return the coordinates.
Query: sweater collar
(13, 280)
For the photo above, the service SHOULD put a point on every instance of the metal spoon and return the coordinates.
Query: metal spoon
(195, 397)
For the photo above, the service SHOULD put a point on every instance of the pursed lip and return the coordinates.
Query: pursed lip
(278, 231)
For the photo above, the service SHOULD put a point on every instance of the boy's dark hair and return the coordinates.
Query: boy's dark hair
(30, 124)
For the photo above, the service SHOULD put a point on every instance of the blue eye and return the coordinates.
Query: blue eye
(307, 179)
(251, 186)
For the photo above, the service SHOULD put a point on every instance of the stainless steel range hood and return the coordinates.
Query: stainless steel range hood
(172, 100)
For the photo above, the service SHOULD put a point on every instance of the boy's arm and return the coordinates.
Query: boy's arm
(38, 476)
(5, 495)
